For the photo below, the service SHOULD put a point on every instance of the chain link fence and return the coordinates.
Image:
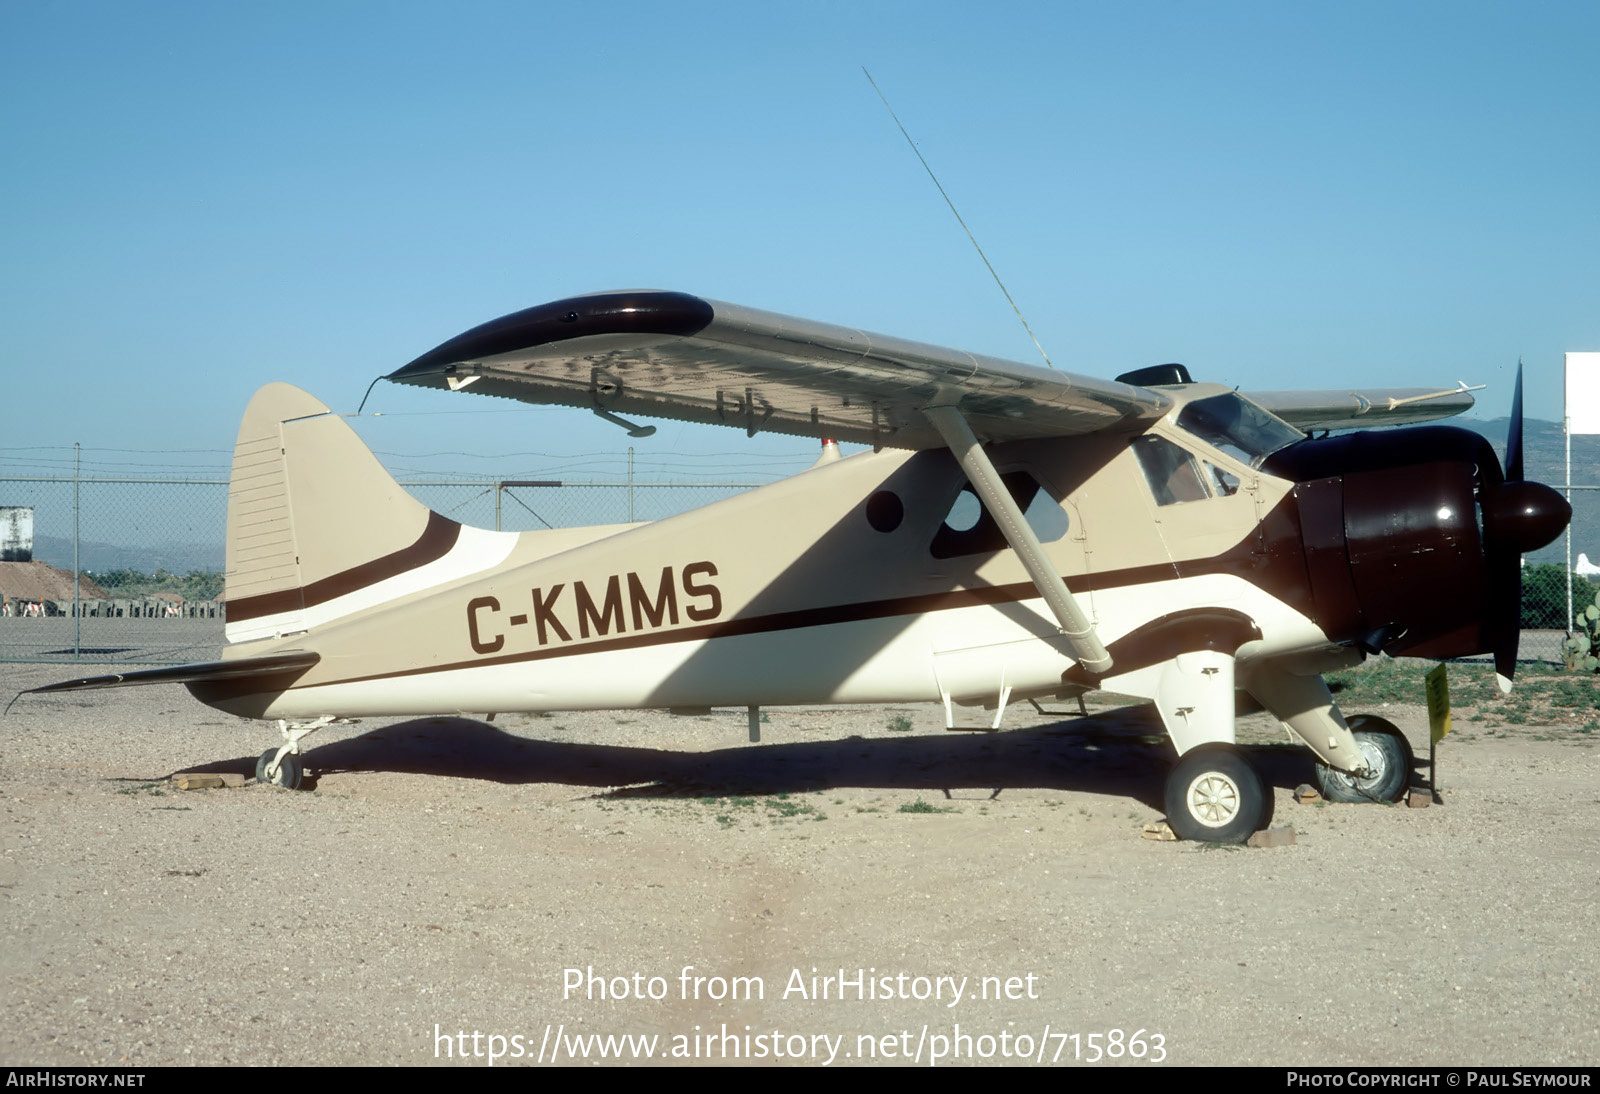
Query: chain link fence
(1555, 594)
(135, 565)
(150, 556)
(521, 505)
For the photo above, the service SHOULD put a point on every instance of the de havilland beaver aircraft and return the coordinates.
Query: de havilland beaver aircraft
(1015, 533)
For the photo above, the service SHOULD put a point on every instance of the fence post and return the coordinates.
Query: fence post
(630, 484)
(77, 579)
(1566, 428)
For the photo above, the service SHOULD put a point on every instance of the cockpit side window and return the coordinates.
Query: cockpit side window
(968, 529)
(1223, 481)
(1173, 474)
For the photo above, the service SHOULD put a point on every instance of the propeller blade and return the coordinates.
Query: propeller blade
(1505, 614)
(1505, 667)
(1514, 433)
(1505, 572)
(1518, 517)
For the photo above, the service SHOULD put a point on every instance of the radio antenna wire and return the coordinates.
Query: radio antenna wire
(959, 221)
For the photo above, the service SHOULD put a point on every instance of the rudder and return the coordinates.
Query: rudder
(312, 515)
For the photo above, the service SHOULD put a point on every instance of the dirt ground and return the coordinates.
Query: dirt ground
(449, 877)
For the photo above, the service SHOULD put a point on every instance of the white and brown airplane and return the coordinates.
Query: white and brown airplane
(1015, 533)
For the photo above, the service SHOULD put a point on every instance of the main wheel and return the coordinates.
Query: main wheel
(1214, 795)
(290, 770)
(1389, 760)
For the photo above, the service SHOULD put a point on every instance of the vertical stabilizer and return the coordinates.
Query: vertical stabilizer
(312, 517)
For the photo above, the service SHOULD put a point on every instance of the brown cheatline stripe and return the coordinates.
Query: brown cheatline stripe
(760, 624)
(816, 617)
(435, 542)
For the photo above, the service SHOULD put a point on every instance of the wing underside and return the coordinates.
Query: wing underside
(670, 355)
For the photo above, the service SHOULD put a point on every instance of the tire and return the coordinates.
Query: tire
(1388, 754)
(1214, 795)
(290, 770)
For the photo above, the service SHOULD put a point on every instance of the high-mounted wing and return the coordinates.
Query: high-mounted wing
(1350, 409)
(672, 355)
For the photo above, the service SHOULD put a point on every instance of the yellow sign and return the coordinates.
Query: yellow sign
(1438, 688)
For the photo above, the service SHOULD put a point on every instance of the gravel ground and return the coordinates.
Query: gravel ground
(443, 875)
(100, 640)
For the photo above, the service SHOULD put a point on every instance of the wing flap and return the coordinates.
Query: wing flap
(671, 355)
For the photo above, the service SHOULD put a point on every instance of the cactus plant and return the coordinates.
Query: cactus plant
(1581, 650)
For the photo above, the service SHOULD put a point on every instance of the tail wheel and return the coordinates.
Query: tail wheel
(289, 774)
(1214, 795)
(1389, 762)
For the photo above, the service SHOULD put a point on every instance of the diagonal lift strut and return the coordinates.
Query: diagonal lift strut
(1080, 634)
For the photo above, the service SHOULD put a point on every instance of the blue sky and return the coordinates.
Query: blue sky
(200, 198)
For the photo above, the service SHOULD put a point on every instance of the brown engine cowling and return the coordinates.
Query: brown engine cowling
(1413, 539)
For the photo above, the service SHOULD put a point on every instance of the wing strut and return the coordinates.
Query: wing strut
(1085, 644)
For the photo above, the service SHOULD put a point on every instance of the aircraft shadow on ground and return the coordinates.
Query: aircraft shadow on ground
(1121, 753)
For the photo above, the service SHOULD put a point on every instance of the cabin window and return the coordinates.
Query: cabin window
(1172, 472)
(885, 511)
(968, 529)
(1046, 517)
(1223, 482)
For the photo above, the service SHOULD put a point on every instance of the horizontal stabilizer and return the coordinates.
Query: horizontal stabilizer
(238, 669)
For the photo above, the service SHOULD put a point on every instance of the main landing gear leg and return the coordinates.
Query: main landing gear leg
(1214, 794)
(1305, 706)
(1362, 759)
(282, 766)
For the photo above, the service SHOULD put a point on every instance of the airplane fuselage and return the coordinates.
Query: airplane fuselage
(876, 578)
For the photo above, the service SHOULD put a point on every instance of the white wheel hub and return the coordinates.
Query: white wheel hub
(1213, 799)
(1373, 755)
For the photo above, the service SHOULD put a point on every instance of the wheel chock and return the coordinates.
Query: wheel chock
(1272, 837)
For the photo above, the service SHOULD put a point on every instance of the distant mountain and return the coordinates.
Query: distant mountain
(175, 558)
